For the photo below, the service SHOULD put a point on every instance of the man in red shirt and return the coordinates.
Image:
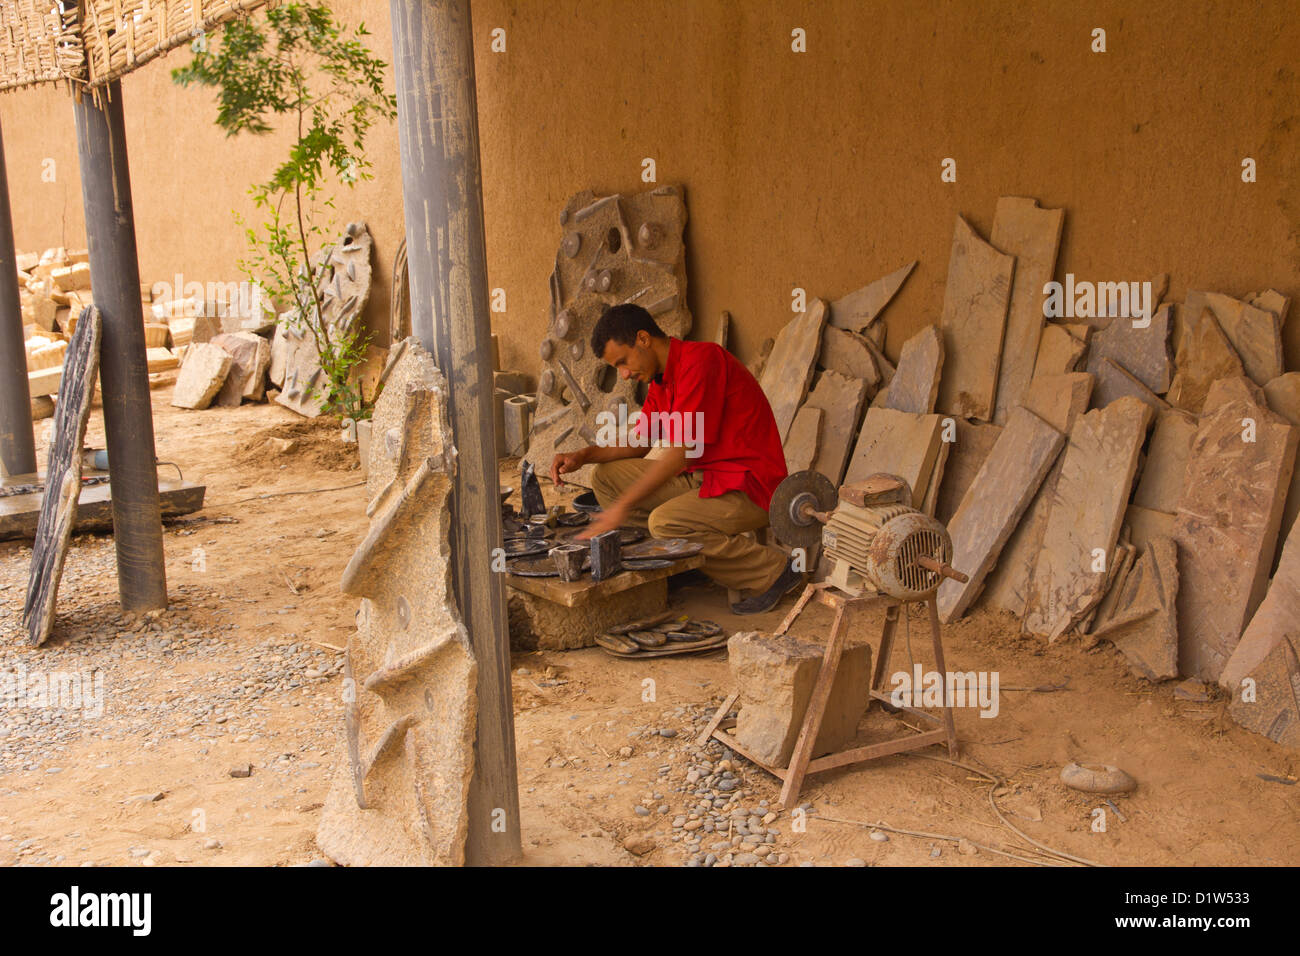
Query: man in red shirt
(717, 459)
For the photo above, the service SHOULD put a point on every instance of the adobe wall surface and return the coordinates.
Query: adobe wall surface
(819, 169)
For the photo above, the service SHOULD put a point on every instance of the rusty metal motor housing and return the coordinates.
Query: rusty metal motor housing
(877, 543)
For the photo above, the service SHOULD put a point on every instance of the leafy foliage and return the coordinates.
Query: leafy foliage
(301, 64)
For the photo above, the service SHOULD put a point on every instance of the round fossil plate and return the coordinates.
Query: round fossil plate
(525, 547)
(647, 564)
(668, 549)
(543, 567)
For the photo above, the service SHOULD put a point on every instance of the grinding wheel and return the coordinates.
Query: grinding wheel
(785, 514)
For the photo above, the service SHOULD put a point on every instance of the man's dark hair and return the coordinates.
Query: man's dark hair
(621, 323)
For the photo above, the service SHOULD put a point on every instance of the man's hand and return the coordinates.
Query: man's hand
(567, 461)
(612, 517)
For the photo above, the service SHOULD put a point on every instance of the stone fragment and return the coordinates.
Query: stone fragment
(1058, 351)
(1204, 357)
(1116, 381)
(859, 309)
(201, 376)
(1227, 528)
(974, 322)
(1161, 483)
(1120, 564)
(1283, 397)
(1146, 524)
(250, 356)
(775, 676)
(804, 439)
(1033, 236)
(915, 383)
(606, 555)
(1144, 351)
(790, 367)
(998, 496)
(1085, 517)
(514, 383)
(71, 278)
(613, 249)
(840, 400)
(1144, 621)
(401, 791)
(518, 412)
(897, 443)
(1262, 677)
(1254, 333)
(966, 455)
(849, 354)
(1237, 388)
(722, 329)
(156, 335)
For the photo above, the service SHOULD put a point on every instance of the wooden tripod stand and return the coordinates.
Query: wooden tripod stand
(801, 762)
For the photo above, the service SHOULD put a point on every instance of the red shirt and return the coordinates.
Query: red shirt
(734, 434)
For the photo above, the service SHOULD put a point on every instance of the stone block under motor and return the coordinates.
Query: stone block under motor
(775, 677)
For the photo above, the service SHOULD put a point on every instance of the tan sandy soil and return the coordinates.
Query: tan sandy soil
(243, 670)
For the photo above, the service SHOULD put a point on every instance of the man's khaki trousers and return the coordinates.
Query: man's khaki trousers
(676, 510)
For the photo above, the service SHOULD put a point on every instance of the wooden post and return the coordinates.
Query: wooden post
(123, 367)
(17, 442)
(437, 113)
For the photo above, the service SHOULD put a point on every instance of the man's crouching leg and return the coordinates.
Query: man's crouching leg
(731, 557)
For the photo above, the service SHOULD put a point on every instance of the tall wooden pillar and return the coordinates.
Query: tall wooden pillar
(123, 366)
(442, 190)
(17, 442)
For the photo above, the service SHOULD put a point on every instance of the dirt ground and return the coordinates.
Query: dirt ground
(243, 672)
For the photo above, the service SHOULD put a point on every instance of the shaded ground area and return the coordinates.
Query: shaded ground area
(244, 670)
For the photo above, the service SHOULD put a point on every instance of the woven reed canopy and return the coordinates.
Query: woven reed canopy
(92, 42)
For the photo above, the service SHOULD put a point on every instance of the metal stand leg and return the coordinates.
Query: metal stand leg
(933, 607)
(812, 720)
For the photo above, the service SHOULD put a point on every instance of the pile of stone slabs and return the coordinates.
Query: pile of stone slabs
(62, 476)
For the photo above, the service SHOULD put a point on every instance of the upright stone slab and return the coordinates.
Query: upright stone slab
(1227, 529)
(997, 498)
(1144, 622)
(789, 369)
(1086, 514)
(775, 677)
(897, 443)
(804, 439)
(613, 249)
(1116, 381)
(1058, 352)
(1161, 484)
(1144, 351)
(401, 791)
(343, 283)
(859, 309)
(915, 385)
(1204, 357)
(967, 452)
(1283, 397)
(1255, 335)
(1033, 236)
(62, 477)
(1058, 400)
(974, 322)
(840, 401)
(1262, 677)
(849, 354)
(201, 376)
